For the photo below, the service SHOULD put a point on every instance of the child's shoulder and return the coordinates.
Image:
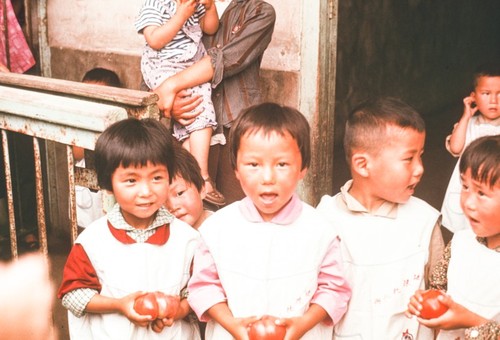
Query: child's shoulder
(183, 228)
(94, 229)
(326, 201)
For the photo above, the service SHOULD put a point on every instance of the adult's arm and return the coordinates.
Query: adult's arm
(245, 45)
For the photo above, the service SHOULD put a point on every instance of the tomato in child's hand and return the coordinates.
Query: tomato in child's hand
(431, 306)
(147, 305)
(266, 329)
(167, 305)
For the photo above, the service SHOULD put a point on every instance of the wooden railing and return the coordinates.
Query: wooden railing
(60, 112)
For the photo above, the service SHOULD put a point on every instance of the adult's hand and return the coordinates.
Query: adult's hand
(186, 107)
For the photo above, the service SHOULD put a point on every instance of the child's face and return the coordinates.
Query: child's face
(269, 168)
(140, 191)
(397, 168)
(481, 205)
(185, 201)
(487, 97)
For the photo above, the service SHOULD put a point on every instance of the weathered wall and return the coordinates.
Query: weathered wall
(422, 51)
(94, 33)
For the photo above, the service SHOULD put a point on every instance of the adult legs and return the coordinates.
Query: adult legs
(223, 173)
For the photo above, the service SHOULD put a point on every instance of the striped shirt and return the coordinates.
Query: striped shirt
(157, 13)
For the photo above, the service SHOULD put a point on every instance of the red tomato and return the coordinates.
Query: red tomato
(431, 307)
(266, 329)
(167, 305)
(146, 305)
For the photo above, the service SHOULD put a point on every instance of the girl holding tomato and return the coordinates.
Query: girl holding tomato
(137, 247)
(468, 271)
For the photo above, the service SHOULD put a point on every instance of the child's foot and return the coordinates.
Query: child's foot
(213, 196)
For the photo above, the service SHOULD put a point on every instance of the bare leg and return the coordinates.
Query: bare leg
(198, 144)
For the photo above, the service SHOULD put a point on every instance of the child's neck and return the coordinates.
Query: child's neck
(367, 200)
(493, 242)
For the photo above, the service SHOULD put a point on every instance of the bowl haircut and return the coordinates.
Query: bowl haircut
(187, 168)
(132, 142)
(482, 157)
(271, 118)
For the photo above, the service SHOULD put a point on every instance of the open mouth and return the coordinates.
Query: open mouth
(268, 197)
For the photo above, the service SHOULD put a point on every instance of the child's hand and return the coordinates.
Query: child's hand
(239, 327)
(295, 328)
(158, 324)
(469, 108)
(457, 316)
(414, 306)
(186, 8)
(207, 3)
(181, 312)
(126, 304)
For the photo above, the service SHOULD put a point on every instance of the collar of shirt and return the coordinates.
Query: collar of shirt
(348, 202)
(287, 215)
(115, 218)
(481, 120)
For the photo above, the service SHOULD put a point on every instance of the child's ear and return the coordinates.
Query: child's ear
(359, 163)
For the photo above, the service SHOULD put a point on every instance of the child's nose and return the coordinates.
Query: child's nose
(144, 189)
(267, 175)
(494, 98)
(419, 169)
(468, 201)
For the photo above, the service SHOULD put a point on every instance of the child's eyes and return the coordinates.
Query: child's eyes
(180, 193)
(130, 180)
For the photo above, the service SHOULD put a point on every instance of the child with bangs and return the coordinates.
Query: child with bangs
(467, 270)
(270, 253)
(137, 247)
(187, 190)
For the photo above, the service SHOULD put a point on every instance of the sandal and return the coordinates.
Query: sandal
(214, 196)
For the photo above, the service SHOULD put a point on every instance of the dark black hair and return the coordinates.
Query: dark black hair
(487, 69)
(482, 157)
(271, 117)
(367, 123)
(187, 168)
(132, 142)
(102, 75)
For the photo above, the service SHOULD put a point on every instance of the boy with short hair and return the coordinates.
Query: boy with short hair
(269, 253)
(137, 247)
(389, 238)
